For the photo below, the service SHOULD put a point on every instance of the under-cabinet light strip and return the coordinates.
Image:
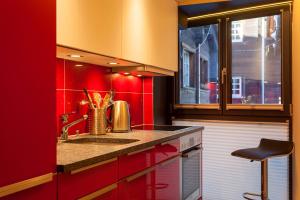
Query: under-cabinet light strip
(273, 5)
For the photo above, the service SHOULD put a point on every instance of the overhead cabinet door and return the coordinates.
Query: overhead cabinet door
(163, 35)
(90, 25)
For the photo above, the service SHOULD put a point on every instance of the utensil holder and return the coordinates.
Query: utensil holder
(97, 121)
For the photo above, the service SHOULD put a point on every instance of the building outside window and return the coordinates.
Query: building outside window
(236, 87)
(258, 60)
(186, 68)
(237, 31)
(199, 65)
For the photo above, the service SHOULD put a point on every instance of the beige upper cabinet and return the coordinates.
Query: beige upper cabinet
(90, 25)
(143, 31)
(164, 34)
(135, 30)
(150, 32)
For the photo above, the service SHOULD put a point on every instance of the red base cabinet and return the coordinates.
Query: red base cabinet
(140, 186)
(151, 174)
(160, 182)
(167, 185)
(98, 182)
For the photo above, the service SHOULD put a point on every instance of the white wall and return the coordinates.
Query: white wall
(296, 96)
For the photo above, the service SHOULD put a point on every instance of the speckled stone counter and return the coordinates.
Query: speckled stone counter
(72, 156)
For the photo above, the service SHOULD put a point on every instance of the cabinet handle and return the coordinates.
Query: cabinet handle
(169, 161)
(139, 174)
(191, 153)
(166, 143)
(224, 73)
(26, 184)
(92, 166)
(100, 192)
(139, 151)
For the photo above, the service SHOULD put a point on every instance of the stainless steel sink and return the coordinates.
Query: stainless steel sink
(102, 141)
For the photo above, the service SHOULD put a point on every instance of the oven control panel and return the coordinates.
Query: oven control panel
(190, 140)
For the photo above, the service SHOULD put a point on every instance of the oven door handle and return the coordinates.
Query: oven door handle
(191, 153)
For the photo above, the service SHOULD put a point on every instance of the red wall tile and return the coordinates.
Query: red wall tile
(88, 76)
(148, 84)
(123, 83)
(148, 109)
(60, 79)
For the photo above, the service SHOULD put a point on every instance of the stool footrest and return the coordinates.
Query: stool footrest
(246, 194)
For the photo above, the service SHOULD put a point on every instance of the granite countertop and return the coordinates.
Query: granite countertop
(72, 156)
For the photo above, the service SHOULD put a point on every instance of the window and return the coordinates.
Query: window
(237, 31)
(258, 61)
(199, 65)
(186, 68)
(235, 62)
(236, 87)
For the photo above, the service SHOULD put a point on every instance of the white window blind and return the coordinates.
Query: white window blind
(226, 177)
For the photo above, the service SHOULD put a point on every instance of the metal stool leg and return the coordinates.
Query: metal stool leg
(264, 183)
(264, 180)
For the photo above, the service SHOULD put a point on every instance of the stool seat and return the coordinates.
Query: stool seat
(266, 149)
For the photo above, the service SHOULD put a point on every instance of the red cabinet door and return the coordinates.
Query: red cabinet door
(109, 195)
(140, 186)
(89, 182)
(136, 161)
(167, 180)
(167, 150)
(27, 84)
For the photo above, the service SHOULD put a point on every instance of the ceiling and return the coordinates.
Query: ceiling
(199, 9)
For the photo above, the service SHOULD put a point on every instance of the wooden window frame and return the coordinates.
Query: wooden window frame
(224, 109)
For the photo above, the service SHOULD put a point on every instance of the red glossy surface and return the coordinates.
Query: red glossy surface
(27, 82)
(161, 183)
(167, 180)
(142, 188)
(167, 150)
(60, 80)
(86, 182)
(148, 85)
(92, 77)
(112, 195)
(148, 109)
(45, 191)
(123, 83)
(130, 164)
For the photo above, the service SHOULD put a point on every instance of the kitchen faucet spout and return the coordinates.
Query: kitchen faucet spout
(65, 129)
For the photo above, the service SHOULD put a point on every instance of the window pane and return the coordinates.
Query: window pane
(256, 58)
(199, 65)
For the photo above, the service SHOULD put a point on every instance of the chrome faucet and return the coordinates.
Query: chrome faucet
(65, 129)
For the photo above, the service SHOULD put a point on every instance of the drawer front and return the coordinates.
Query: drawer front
(140, 186)
(167, 179)
(107, 193)
(82, 183)
(167, 150)
(136, 161)
(112, 195)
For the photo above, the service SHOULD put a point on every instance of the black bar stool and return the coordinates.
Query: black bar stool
(266, 149)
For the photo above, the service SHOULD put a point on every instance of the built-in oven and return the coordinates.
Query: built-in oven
(191, 166)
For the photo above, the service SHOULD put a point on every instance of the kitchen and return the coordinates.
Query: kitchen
(146, 65)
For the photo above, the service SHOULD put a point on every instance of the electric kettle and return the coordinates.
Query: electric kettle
(120, 117)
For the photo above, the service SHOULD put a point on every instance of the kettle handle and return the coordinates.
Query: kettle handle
(108, 119)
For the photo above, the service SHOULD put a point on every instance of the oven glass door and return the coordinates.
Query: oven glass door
(191, 172)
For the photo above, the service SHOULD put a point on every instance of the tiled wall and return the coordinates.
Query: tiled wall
(72, 77)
